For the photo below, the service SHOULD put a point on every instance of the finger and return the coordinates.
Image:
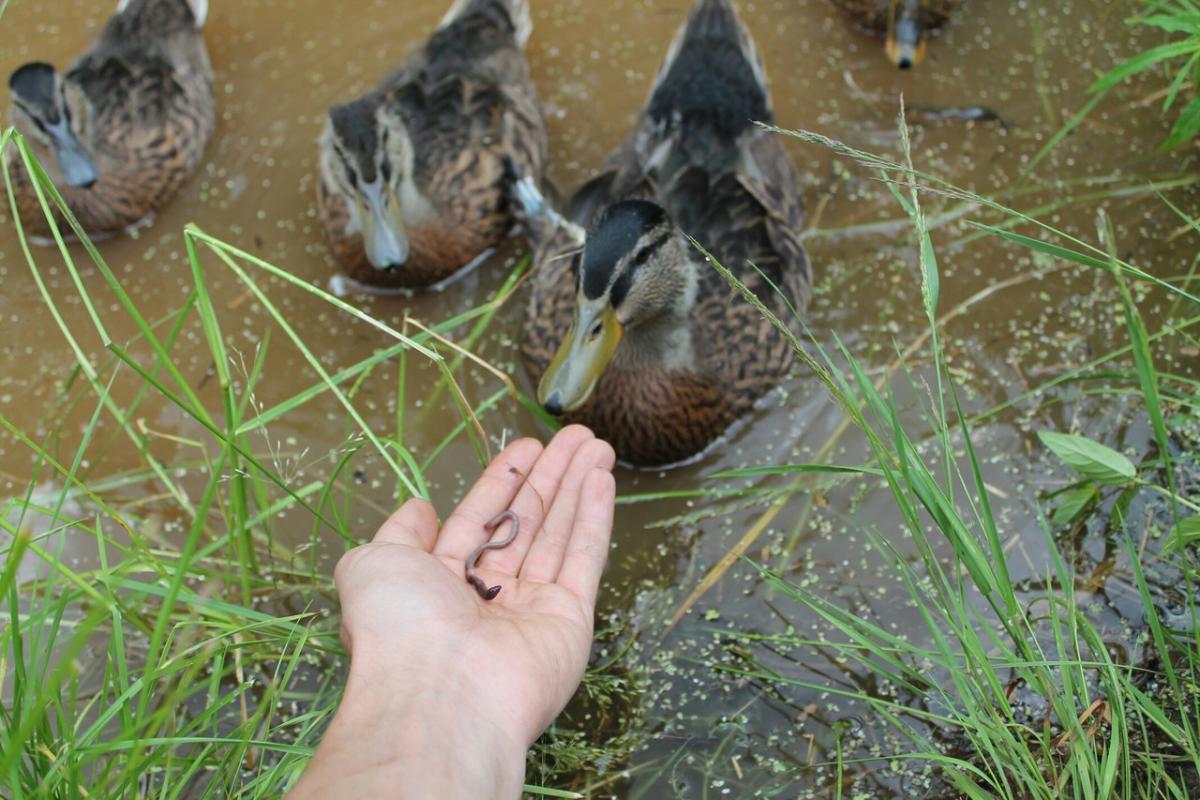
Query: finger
(546, 554)
(587, 551)
(537, 497)
(491, 494)
(415, 525)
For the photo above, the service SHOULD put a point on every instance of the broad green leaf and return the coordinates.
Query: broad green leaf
(1073, 504)
(1174, 23)
(1090, 459)
(1142, 61)
(1186, 533)
(1187, 126)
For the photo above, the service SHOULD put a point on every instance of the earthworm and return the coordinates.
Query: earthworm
(485, 591)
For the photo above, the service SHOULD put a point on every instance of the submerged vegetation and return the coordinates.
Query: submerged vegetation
(162, 638)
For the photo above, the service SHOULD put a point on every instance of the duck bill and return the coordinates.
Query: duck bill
(76, 166)
(384, 236)
(906, 35)
(581, 360)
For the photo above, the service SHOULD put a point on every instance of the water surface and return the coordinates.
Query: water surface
(279, 65)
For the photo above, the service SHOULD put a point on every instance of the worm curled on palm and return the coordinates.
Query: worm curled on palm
(485, 591)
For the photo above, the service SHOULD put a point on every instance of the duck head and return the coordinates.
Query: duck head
(635, 290)
(906, 33)
(367, 156)
(47, 113)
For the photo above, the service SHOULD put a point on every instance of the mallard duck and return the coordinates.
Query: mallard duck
(629, 330)
(905, 23)
(412, 176)
(124, 128)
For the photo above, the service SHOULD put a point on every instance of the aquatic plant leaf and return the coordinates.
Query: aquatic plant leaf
(1174, 23)
(1184, 534)
(1187, 126)
(1073, 504)
(1141, 62)
(1090, 459)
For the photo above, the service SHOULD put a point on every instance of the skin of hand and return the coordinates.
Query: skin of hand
(446, 691)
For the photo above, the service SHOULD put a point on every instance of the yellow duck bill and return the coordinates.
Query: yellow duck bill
(581, 358)
(384, 236)
(906, 35)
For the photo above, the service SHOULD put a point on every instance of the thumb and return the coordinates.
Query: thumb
(414, 525)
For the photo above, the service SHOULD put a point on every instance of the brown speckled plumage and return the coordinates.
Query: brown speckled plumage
(872, 15)
(467, 103)
(732, 186)
(143, 108)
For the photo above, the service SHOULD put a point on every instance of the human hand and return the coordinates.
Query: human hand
(435, 666)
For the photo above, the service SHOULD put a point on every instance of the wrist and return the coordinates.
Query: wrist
(420, 737)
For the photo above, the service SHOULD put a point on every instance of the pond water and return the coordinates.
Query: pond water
(279, 65)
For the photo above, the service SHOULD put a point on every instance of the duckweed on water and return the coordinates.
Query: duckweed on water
(175, 501)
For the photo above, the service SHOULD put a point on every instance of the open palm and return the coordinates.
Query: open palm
(514, 660)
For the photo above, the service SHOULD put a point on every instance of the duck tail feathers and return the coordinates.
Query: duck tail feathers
(516, 12)
(712, 65)
(198, 9)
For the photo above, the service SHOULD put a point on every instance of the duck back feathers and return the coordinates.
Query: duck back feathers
(712, 74)
(478, 40)
(149, 73)
(144, 88)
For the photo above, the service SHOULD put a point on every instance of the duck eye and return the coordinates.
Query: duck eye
(644, 254)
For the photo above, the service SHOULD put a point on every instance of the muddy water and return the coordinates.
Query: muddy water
(280, 64)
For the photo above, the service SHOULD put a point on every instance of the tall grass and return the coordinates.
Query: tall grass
(1179, 59)
(1011, 693)
(195, 654)
(174, 663)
